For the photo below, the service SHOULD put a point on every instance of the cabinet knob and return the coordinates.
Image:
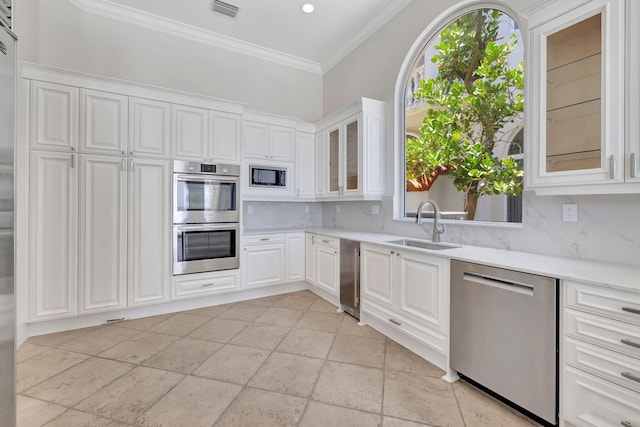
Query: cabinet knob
(131, 153)
(72, 148)
(393, 252)
(123, 152)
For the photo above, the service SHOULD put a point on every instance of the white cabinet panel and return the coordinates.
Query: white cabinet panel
(282, 143)
(225, 132)
(328, 269)
(263, 265)
(149, 228)
(189, 135)
(216, 283)
(149, 125)
(305, 166)
(310, 258)
(295, 257)
(103, 234)
(377, 274)
(54, 116)
(103, 122)
(255, 139)
(53, 250)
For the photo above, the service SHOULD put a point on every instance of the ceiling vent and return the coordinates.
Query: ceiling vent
(224, 8)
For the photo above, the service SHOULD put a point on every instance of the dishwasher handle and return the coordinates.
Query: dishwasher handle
(505, 285)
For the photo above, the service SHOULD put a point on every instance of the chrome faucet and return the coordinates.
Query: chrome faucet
(438, 229)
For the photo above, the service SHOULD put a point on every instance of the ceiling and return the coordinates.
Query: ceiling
(315, 42)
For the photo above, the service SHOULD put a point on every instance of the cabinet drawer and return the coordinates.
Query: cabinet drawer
(620, 369)
(591, 401)
(415, 331)
(212, 285)
(261, 239)
(614, 303)
(332, 242)
(612, 334)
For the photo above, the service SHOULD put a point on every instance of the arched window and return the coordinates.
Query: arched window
(459, 116)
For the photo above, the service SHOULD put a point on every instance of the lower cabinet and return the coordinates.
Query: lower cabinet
(322, 259)
(201, 284)
(272, 258)
(294, 251)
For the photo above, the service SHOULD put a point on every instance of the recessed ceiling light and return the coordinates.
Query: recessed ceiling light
(308, 8)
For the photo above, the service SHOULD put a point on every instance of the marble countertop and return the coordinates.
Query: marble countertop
(613, 275)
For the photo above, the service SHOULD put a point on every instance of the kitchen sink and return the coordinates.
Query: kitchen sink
(424, 245)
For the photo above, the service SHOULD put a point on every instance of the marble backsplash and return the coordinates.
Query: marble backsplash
(257, 215)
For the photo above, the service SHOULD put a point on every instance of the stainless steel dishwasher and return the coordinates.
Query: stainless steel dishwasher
(504, 335)
(350, 277)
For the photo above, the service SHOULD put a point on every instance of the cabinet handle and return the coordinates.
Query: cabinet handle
(313, 240)
(631, 310)
(626, 423)
(264, 239)
(72, 148)
(325, 241)
(73, 160)
(612, 167)
(630, 376)
(206, 285)
(131, 164)
(395, 322)
(356, 275)
(633, 165)
(131, 153)
(123, 165)
(123, 152)
(393, 252)
(630, 343)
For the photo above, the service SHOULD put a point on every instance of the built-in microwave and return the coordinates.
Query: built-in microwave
(267, 176)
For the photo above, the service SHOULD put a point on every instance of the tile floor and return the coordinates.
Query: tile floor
(286, 360)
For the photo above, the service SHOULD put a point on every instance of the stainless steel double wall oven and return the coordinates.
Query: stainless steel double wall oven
(206, 231)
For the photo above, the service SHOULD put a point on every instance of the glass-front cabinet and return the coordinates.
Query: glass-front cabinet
(576, 126)
(343, 157)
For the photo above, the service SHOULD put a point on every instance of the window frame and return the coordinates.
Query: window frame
(399, 122)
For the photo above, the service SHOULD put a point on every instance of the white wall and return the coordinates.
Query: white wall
(69, 38)
(608, 225)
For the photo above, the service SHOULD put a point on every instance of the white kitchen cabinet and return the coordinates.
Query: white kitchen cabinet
(378, 274)
(320, 172)
(352, 152)
(268, 141)
(294, 250)
(189, 133)
(202, 284)
(149, 128)
(103, 234)
(225, 137)
(322, 263)
(54, 116)
(263, 260)
(310, 258)
(632, 173)
(53, 236)
(103, 122)
(305, 166)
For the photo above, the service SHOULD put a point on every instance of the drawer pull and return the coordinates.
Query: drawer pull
(206, 285)
(631, 310)
(326, 241)
(264, 239)
(630, 376)
(630, 343)
(626, 423)
(395, 322)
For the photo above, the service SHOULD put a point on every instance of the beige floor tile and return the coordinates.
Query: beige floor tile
(296, 302)
(53, 340)
(280, 316)
(211, 311)
(44, 366)
(139, 347)
(183, 356)
(99, 340)
(395, 422)
(303, 293)
(320, 414)
(28, 350)
(73, 418)
(195, 402)
(323, 305)
(79, 382)
(288, 374)
(265, 301)
(143, 323)
(131, 394)
(401, 359)
(181, 324)
(233, 364)
(352, 386)
(34, 413)
(242, 311)
(307, 343)
(420, 398)
(479, 409)
(219, 330)
(358, 350)
(262, 408)
(259, 335)
(319, 321)
(350, 326)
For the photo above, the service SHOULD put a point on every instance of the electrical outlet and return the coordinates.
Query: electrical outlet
(337, 208)
(306, 208)
(570, 212)
(375, 210)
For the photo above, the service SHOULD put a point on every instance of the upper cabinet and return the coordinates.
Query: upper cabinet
(103, 122)
(350, 153)
(149, 125)
(268, 141)
(54, 116)
(576, 118)
(305, 165)
(225, 130)
(632, 174)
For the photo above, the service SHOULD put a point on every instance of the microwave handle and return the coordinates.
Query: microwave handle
(212, 178)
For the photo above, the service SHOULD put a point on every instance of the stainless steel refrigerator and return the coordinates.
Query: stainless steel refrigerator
(7, 289)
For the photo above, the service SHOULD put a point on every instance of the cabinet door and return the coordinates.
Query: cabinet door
(54, 116)
(328, 269)
(225, 137)
(282, 143)
(377, 274)
(321, 165)
(149, 125)
(263, 265)
(310, 258)
(633, 91)
(295, 257)
(350, 151)
(305, 166)
(423, 284)
(103, 234)
(190, 132)
(333, 175)
(255, 140)
(149, 230)
(103, 122)
(53, 235)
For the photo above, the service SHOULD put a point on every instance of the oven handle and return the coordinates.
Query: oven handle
(202, 227)
(196, 177)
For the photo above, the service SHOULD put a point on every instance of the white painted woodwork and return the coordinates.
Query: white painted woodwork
(216, 283)
(263, 265)
(261, 239)
(103, 122)
(320, 165)
(632, 169)
(377, 274)
(305, 166)
(149, 128)
(149, 230)
(328, 268)
(54, 116)
(612, 303)
(266, 141)
(310, 258)
(294, 250)
(53, 243)
(283, 141)
(225, 130)
(102, 281)
(189, 132)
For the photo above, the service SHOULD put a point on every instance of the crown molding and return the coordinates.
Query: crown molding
(151, 21)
